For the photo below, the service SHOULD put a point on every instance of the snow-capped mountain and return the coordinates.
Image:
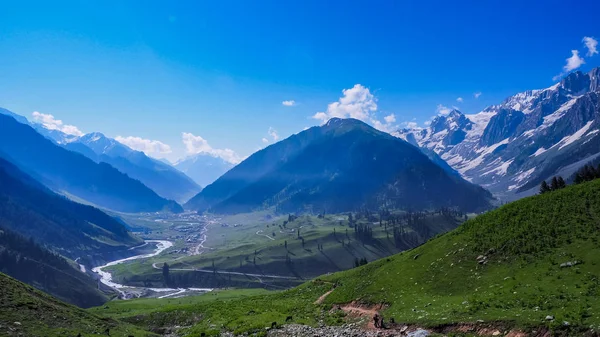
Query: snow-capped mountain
(203, 168)
(510, 147)
(164, 179)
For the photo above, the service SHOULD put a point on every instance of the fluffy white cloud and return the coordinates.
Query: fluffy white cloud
(289, 103)
(196, 144)
(591, 44)
(443, 110)
(573, 62)
(460, 100)
(477, 94)
(357, 102)
(51, 123)
(264, 140)
(390, 119)
(427, 123)
(150, 147)
(273, 133)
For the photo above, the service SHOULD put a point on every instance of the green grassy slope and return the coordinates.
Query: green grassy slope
(503, 266)
(25, 311)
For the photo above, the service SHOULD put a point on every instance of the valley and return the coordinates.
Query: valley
(265, 250)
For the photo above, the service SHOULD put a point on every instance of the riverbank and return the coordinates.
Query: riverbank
(126, 292)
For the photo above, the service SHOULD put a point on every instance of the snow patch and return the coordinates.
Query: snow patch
(538, 152)
(576, 136)
(500, 170)
(559, 113)
(524, 175)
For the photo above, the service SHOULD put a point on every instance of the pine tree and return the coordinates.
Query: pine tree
(165, 272)
(579, 178)
(544, 187)
(561, 182)
(554, 184)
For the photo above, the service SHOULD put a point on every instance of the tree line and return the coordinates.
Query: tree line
(586, 173)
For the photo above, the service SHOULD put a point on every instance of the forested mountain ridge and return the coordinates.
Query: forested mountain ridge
(28, 262)
(341, 166)
(72, 229)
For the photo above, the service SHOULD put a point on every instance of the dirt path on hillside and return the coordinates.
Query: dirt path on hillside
(354, 309)
(322, 297)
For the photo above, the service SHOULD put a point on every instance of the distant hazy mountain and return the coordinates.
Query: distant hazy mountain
(164, 179)
(510, 147)
(341, 166)
(75, 174)
(17, 117)
(203, 168)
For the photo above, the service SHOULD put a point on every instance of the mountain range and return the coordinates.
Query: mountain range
(341, 166)
(203, 168)
(73, 174)
(511, 147)
(162, 178)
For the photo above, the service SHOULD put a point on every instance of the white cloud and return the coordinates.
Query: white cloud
(196, 144)
(590, 44)
(289, 103)
(460, 100)
(574, 61)
(51, 123)
(443, 110)
(390, 119)
(150, 147)
(357, 102)
(273, 133)
(264, 140)
(427, 123)
(410, 125)
(477, 94)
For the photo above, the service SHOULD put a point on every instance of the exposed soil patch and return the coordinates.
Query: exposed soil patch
(322, 297)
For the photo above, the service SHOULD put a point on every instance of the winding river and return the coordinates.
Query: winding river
(161, 246)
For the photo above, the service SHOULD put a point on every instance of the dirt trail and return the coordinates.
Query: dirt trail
(358, 310)
(322, 298)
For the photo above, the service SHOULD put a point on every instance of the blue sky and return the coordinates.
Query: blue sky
(219, 71)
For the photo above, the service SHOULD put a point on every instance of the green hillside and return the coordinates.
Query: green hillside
(25, 311)
(511, 267)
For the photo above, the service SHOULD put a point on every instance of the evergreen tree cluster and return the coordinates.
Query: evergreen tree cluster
(556, 183)
(586, 173)
(363, 233)
(360, 262)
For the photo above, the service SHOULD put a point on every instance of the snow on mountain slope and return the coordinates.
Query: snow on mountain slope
(510, 147)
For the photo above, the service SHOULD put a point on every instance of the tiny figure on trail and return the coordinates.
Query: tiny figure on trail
(376, 320)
